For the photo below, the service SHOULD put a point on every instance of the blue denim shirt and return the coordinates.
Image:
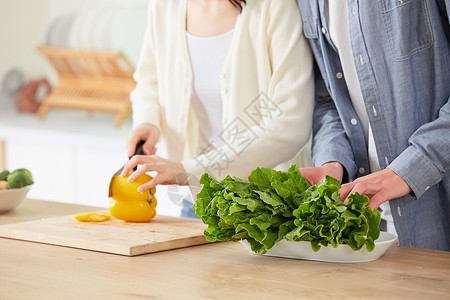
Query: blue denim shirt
(402, 55)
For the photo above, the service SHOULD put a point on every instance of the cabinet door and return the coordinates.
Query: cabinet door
(52, 166)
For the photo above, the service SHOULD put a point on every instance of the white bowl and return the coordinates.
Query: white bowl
(341, 254)
(10, 199)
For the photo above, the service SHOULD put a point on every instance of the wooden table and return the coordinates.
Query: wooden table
(213, 271)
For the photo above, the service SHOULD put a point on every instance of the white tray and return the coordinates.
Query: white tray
(341, 254)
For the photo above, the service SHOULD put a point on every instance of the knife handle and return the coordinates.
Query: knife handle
(138, 151)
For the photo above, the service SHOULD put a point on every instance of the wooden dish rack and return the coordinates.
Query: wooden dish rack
(91, 81)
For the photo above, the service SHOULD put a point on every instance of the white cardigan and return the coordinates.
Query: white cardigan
(266, 81)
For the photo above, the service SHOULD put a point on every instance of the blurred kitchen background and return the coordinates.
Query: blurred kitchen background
(72, 153)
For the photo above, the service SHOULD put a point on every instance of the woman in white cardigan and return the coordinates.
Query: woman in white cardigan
(227, 84)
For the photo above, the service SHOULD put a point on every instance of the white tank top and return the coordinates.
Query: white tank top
(207, 58)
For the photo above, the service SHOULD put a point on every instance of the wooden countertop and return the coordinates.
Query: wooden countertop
(213, 271)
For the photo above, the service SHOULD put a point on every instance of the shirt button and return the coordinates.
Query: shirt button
(339, 75)
(354, 121)
(324, 31)
(225, 91)
(361, 60)
(362, 171)
(223, 76)
(374, 111)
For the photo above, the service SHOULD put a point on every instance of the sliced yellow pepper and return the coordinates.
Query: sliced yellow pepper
(93, 217)
(130, 205)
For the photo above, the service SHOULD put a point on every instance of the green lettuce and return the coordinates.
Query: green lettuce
(275, 205)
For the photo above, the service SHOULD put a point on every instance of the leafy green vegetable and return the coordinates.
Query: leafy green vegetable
(274, 205)
(19, 178)
(323, 218)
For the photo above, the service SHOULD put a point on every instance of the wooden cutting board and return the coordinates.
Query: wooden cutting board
(112, 236)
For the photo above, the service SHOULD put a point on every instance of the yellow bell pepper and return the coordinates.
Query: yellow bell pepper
(93, 217)
(130, 205)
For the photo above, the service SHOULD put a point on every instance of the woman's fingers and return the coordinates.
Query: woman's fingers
(147, 186)
(144, 132)
(132, 163)
(132, 141)
(158, 179)
(136, 174)
(149, 145)
(168, 172)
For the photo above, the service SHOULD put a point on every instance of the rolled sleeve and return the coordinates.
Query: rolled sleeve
(416, 170)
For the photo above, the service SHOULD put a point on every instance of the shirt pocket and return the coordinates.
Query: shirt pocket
(407, 25)
(310, 29)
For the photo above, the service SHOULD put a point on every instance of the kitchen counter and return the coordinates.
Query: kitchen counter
(213, 271)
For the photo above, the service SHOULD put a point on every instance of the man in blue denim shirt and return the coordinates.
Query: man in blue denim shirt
(382, 116)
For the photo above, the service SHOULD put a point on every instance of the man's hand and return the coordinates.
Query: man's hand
(379, 187)
(316, 174)
(144, 132)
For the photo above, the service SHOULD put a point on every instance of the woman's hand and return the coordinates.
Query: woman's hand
(315, 175)
(380, 187)
(144, 132)
(168, 171)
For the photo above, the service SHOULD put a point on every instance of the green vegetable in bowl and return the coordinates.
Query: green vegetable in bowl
(19, 178)
(323, 218)
(4, 174)
(275, 205)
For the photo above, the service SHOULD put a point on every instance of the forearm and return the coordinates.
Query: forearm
(145, 106)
